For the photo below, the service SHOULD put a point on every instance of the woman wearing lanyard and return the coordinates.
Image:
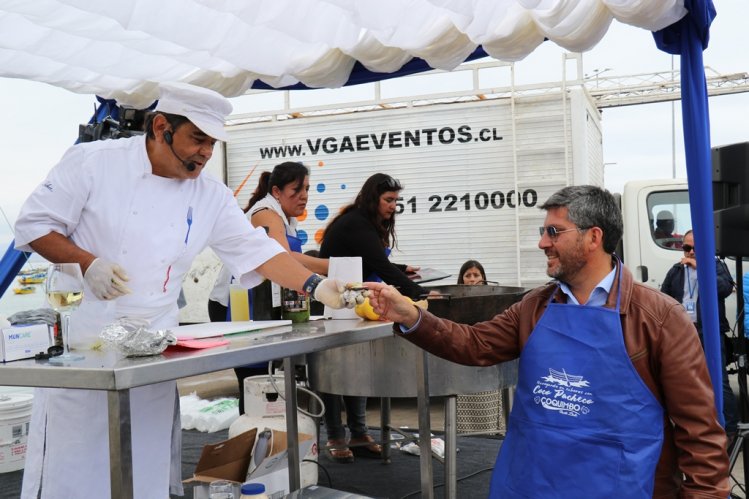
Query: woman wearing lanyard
(280, 197)
(365, 228)
(681, 284)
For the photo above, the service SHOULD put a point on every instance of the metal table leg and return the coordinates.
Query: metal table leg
(385, 428)
(425, 438)
(120, 444)
(451, 446)
(292, 433)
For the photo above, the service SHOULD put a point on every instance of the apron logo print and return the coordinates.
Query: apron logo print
(563, 393)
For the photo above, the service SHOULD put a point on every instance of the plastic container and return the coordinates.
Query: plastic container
(253, 491)
(294, 305)
(265, 409)
(15, 413)
(221, 489)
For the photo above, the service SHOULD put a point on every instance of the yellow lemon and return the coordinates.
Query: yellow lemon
(365, 311)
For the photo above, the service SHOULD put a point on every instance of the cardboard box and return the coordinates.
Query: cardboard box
(232, 458)
(24, 341)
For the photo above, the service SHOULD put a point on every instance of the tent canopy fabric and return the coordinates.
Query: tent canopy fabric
(122, 50)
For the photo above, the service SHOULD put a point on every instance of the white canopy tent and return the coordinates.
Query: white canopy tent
(122, 50)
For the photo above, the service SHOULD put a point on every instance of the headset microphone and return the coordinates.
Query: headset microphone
(187, 164)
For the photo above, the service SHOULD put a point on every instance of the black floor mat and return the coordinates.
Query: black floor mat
(368, 477)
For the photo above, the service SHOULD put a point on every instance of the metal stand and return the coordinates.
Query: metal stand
(741, 444)
(385, 429)
(425, 437)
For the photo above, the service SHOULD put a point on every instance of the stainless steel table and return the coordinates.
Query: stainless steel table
(110, 371)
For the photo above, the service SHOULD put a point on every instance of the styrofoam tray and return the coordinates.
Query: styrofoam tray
(209, 329)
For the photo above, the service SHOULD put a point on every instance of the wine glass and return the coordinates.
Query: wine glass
(64, 289)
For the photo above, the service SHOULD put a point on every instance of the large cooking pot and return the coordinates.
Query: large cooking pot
(386, 367)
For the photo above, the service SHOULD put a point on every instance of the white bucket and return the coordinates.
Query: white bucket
(15, 413)
(263, 410)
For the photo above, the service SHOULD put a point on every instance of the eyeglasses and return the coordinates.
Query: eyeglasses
(391, 184)
(687, 248)
(554, 233)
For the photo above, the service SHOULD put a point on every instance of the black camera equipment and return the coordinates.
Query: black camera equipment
(131, 122)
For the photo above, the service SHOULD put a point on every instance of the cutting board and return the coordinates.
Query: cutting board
(210, 329)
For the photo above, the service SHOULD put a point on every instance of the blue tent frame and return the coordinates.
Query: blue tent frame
(687, 38)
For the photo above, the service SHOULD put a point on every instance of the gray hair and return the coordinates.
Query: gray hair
(590, 206)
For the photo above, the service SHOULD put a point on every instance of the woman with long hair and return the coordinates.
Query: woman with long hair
(365, 228)
(472, 272)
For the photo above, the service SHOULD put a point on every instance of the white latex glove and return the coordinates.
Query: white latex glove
(336, 294)
(106, 279)
(330, 292)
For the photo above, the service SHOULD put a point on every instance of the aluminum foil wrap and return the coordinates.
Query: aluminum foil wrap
(133, 338)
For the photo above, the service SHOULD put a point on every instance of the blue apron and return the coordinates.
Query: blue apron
(584, 424)
(373, 277)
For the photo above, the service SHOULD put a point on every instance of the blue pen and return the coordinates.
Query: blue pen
(187, 236)
(189, 223)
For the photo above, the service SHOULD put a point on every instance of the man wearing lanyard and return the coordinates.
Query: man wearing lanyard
(681, 284)
(134, 213)
(613, 399)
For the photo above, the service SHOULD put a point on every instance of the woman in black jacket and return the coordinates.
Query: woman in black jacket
(365, 228)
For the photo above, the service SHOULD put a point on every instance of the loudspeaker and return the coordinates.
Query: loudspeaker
(731, 199)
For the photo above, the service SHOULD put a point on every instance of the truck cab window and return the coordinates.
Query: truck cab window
(670, 218)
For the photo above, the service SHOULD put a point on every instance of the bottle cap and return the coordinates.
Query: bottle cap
(252, 488)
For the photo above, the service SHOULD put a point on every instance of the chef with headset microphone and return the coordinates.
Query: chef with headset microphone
(117, 208)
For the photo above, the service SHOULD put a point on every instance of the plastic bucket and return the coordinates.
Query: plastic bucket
(263, 410)
(15, 413)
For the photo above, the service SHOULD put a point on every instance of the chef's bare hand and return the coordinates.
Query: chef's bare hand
(106, 280)
(390, 305)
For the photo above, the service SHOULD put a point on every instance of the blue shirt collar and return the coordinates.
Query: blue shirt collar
(599, 295)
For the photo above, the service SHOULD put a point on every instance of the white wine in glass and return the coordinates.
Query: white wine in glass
(64, 289)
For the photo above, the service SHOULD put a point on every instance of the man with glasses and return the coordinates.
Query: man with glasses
(681, 284)
(613, 399)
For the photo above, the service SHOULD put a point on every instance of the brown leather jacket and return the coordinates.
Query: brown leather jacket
(662, 345)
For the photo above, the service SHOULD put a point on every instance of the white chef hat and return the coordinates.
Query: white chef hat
(205, 108)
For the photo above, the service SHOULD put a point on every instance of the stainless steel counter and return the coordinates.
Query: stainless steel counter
(110, 371)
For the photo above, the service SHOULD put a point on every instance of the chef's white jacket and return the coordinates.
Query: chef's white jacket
(103, 196)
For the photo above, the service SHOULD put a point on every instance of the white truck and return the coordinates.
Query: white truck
(474, 174)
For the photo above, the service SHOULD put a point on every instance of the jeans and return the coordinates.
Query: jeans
(356, 415)
(730, 406)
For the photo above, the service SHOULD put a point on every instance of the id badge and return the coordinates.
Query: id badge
(691, 307)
